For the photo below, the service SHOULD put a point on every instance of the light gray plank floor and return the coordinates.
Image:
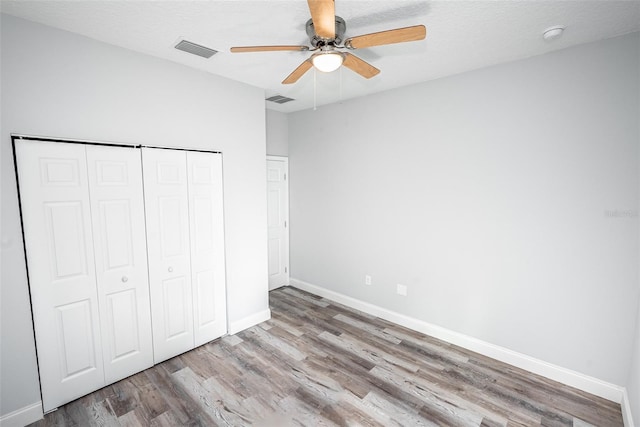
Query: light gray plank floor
(317, 363)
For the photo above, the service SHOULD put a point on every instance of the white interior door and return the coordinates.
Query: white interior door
(57, 228)
(278, 218)
(207, 246)
(167, 213)
(117, 209)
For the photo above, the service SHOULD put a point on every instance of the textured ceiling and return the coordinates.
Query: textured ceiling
(461, 36)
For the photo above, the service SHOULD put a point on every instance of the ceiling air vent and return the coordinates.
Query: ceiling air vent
(279, 99)
(195, 49)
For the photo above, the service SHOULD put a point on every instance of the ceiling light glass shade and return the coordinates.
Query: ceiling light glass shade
(327, 62)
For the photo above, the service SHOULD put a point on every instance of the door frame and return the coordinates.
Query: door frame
(285, 160)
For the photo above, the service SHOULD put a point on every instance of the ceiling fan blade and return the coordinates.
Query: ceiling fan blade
(267, 48)
(323, 14)
(361, 67)
(298, 72)
(399, 35)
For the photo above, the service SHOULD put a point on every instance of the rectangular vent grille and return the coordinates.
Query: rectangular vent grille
(195, 49)
(279, 99)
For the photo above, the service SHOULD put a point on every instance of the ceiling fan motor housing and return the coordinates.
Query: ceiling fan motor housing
(315, 41)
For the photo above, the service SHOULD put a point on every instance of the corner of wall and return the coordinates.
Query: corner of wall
(249, 321)
(625, 405)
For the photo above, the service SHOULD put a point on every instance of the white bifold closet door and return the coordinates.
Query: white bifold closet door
(117, 210)
(183, 201)
(204, 176)
(84, 239)
(167, 210)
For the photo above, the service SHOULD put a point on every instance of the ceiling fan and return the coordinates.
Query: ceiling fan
(326, 32)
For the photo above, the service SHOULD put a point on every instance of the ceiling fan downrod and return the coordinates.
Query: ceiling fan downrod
(316, 41)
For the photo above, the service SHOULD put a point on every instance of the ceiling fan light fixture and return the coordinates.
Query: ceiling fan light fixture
(327, 62)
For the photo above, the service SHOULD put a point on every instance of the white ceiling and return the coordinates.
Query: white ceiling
(461, 36)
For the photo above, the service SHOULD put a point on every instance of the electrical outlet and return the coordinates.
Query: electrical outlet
(401, 290)
(367, 280)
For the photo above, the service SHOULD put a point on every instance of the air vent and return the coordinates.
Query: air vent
(195, 49)
(279, 99)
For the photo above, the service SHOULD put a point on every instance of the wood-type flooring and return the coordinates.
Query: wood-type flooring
(318, 363)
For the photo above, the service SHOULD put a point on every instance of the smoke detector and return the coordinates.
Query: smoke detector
(553, 33)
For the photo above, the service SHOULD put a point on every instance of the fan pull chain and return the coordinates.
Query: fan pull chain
(314, 88)
(340, 90)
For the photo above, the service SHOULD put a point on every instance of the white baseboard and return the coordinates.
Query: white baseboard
(249, 321)
(571, 378)
(627, 416)
(23, 416)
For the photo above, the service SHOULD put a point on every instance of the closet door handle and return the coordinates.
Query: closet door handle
(170, 269)
(125, 279)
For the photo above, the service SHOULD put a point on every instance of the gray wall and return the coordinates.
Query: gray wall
(55, 83)
(277, 133)
(503, 198)
(633, 383)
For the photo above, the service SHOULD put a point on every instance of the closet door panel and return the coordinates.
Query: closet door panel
(167, 213)
(207, 245)
(115, 186)
(54, 198)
